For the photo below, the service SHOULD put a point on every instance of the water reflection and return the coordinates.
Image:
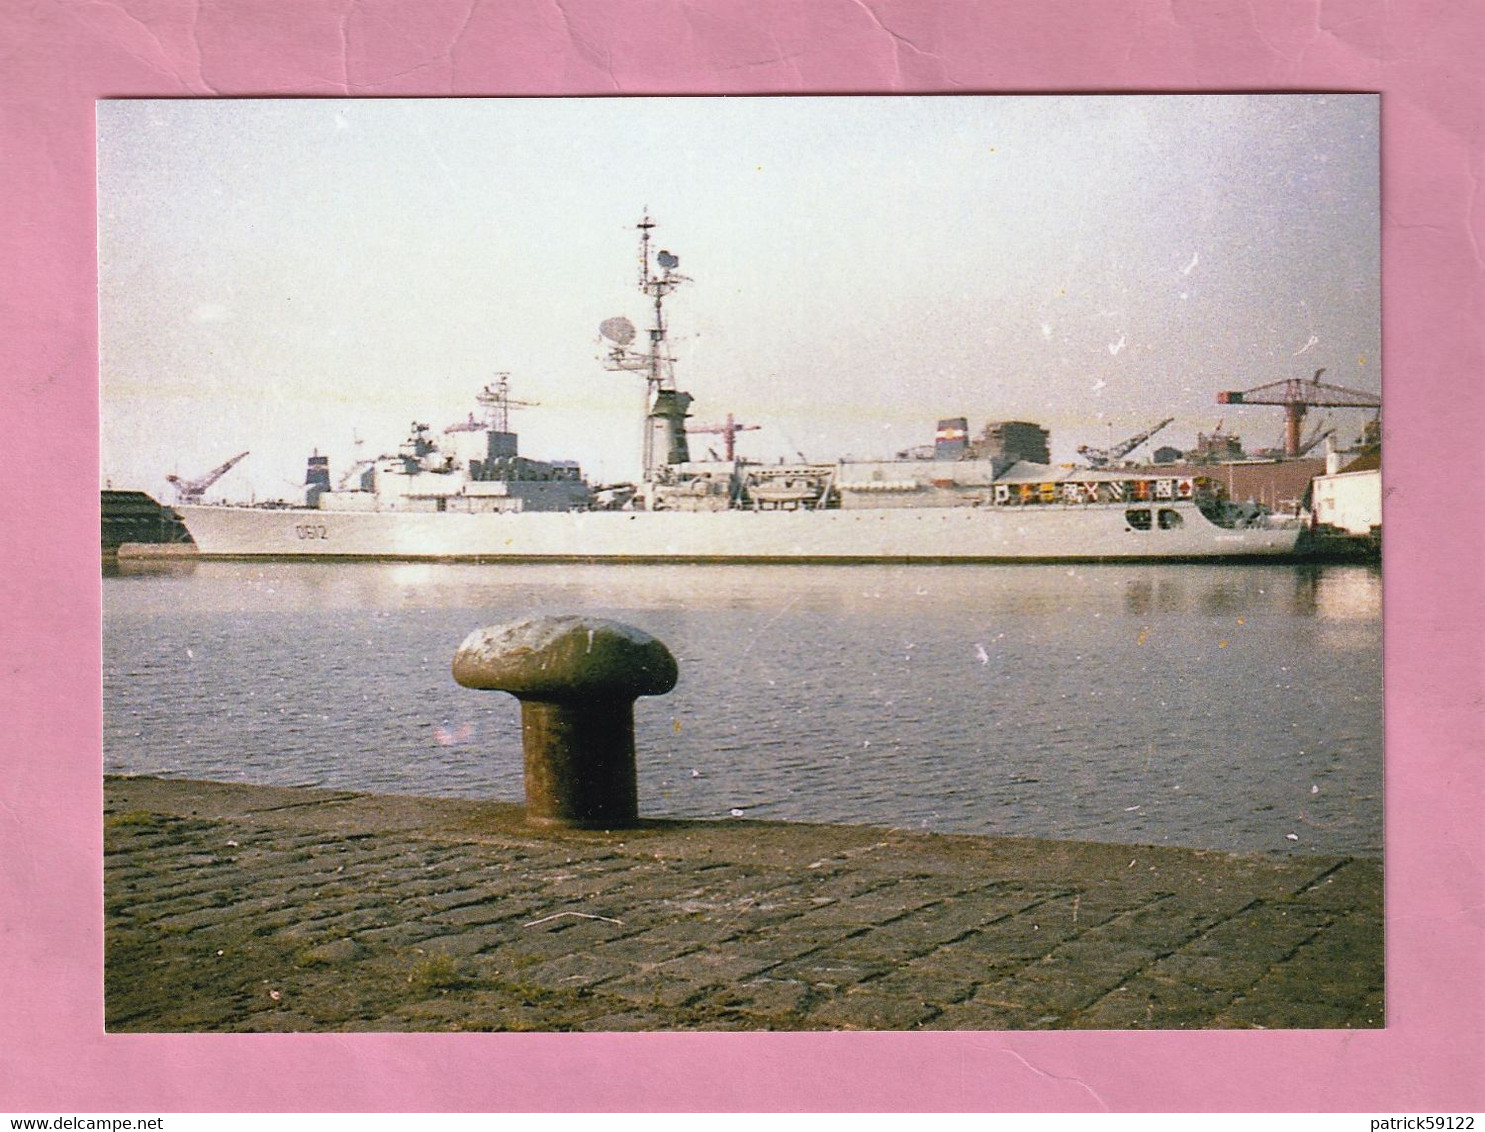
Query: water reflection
(1225, 706)
(1345, 592)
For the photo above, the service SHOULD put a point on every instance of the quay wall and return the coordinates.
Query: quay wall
(247, 908)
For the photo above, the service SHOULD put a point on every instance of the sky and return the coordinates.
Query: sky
(284, 276)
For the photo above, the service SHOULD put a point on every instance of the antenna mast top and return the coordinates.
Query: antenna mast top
(658, 277)
(497, 403)
(657, 284)
(644, 227)
(656, 281)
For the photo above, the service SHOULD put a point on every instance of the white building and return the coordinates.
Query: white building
(1349, 497)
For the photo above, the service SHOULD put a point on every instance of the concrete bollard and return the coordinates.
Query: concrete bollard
(577, 679)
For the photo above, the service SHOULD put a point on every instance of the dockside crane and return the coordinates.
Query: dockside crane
(191, 491)
(1298, 396)
(1103, 457)
(1321, 432)
(728, 430)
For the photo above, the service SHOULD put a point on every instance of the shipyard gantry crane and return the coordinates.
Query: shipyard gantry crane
(728, 430)
(1298, 397)
(1321, 432)
(191, 491)
(1103, 457)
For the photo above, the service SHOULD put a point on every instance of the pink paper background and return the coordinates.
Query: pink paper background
(58, 56)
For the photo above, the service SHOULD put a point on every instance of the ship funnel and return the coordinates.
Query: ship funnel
(951, 441)
(668, 420)
(316, 479)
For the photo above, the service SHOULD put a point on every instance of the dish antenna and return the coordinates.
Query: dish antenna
(668, 261)
(619, 331)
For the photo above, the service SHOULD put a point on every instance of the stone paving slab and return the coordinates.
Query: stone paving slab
(250, 908)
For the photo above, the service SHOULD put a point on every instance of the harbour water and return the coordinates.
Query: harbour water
(1226, 707)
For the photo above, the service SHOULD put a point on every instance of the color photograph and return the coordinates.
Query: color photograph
(795, 563)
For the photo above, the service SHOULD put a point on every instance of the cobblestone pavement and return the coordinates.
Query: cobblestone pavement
(258, 908)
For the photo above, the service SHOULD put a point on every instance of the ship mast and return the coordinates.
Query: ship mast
(664, 406)
(496, 400)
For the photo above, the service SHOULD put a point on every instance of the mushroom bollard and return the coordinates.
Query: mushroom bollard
(577, 679)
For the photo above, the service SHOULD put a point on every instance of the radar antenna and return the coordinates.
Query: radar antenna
(656, 363)
(496, 400)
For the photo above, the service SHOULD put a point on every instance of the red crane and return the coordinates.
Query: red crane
(1298, 397)
(729, 432)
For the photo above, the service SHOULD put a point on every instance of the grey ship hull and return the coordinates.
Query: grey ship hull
(1087, 532)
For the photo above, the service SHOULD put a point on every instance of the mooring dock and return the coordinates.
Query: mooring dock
(251, 908)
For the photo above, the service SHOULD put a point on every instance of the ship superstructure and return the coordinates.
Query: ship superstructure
(473, 467)
(467, 493)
